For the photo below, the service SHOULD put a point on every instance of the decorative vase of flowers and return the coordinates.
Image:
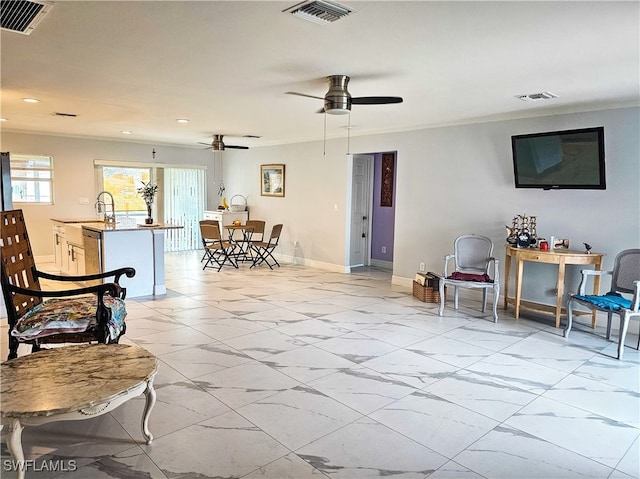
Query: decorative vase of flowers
(148, 192)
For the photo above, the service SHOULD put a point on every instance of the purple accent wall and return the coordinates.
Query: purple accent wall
(382, 218)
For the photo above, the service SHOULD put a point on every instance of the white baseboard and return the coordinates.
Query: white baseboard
(402, 281)
(334, 268)
(44, 259)
(378, 263)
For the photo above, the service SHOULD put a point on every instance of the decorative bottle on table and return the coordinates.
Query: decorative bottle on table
(148, 192)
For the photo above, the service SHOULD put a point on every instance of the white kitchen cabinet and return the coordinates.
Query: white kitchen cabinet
(68, 245)
(76, 264)
(75, 249)
(226, 218)
(60, 248)
(89, 246)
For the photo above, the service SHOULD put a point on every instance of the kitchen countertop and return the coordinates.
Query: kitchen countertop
(77, 220)
(106, 227)
(101, 226)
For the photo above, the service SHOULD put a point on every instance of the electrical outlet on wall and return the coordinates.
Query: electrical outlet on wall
(421, 266)
(384, 249)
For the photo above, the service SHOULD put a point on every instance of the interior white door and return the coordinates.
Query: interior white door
(360, 200)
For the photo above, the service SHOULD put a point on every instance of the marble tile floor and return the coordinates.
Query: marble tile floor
(300, 373)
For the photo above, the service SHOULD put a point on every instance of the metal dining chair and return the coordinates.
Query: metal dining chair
(217, 251)
(264, 249)
(254, 233)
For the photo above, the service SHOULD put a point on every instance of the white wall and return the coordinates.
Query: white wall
(74, 175)
(313, 208)
(450, 181)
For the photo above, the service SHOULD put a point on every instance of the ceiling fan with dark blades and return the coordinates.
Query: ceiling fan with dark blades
(338, 100)
(218, 145)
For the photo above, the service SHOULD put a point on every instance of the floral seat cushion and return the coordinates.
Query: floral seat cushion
(73, 315)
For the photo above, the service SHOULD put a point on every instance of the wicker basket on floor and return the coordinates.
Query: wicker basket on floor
(427, 294)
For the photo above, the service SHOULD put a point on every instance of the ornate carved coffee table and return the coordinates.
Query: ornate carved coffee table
(73, 382)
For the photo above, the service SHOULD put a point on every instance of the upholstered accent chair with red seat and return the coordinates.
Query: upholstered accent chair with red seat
(473, 267)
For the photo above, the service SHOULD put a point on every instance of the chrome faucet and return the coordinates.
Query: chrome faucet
(101, 206)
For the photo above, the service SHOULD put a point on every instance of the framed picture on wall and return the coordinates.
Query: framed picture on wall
(272, 180)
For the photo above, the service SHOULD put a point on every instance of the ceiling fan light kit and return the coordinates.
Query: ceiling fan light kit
(217, 144)
(337, 101)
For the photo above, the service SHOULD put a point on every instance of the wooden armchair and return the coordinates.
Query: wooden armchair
(85, 314)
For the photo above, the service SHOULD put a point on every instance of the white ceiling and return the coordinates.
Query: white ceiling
(226, 66)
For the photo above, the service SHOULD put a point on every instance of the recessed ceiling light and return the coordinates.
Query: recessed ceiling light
(31, 100)
(182, 120)
(126, 132)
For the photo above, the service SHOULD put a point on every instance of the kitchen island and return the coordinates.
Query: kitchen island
(106, 246)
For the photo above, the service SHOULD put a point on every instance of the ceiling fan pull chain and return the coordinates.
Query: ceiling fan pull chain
(349, 133)
(324, 139)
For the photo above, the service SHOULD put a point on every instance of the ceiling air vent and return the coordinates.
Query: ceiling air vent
(319, 11)
(545, 95)
(22, 16)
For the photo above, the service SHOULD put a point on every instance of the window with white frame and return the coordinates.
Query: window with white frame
(32, 179)
(180, 201)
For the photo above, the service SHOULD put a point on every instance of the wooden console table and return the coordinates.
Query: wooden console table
(72, 382)
(561, 257)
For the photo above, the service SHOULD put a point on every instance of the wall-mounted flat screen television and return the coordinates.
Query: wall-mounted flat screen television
(570, 159)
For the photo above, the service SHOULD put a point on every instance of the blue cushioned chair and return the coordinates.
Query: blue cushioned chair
(625, 280)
